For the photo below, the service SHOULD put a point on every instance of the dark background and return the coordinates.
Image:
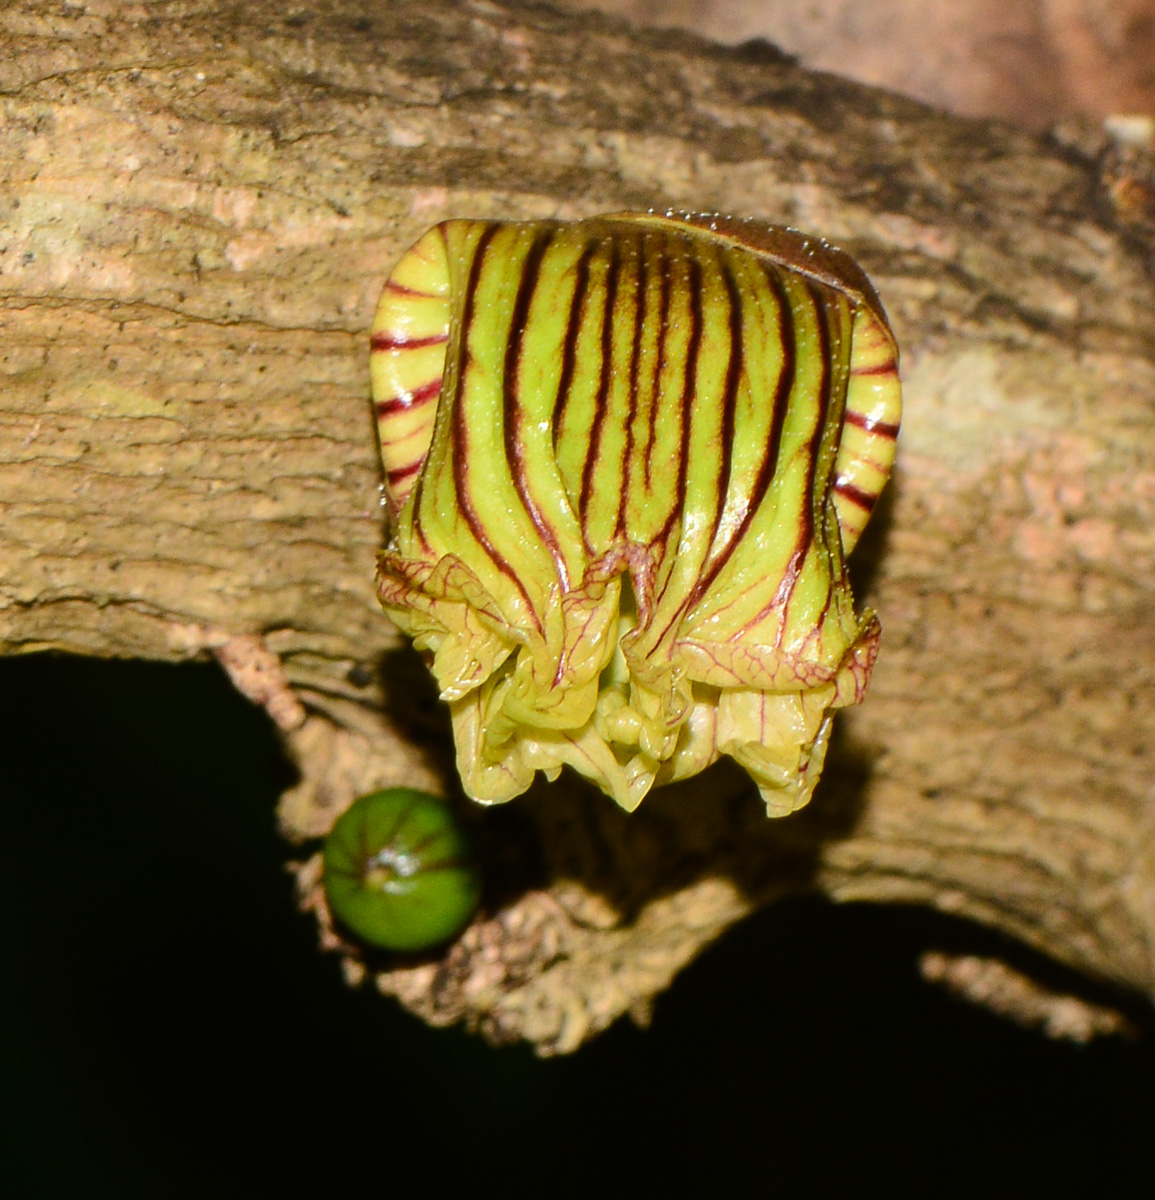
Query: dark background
(168, 1027)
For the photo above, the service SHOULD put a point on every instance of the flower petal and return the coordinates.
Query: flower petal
(626, 458)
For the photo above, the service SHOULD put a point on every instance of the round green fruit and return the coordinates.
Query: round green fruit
(400, 872)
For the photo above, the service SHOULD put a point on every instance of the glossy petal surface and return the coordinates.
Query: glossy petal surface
(626, 458)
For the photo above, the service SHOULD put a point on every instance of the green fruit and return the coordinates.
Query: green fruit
(400, 872)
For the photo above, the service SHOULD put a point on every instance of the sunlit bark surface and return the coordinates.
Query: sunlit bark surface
(199, 204)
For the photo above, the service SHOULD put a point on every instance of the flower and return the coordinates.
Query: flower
(626, 458)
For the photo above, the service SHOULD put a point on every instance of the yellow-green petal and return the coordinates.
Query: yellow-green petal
(626, 458)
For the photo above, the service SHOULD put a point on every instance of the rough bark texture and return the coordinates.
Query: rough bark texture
(200, 202)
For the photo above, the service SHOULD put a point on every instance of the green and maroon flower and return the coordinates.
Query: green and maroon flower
(625, 460)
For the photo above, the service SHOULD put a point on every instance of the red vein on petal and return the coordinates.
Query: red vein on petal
(459, 433)
(405, 401)
(879, 428)
(385, 339)
(512, 408)
(593, 454)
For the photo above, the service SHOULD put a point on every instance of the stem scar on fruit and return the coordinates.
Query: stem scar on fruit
(399, 871)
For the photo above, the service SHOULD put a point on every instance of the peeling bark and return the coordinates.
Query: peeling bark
(200, 202)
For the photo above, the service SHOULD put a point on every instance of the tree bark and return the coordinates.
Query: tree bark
(200, 203)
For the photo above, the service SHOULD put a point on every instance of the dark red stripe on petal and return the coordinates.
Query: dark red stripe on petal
(656, 389)
(396, 474)
(729, 407)
(399, 289)
(689, 384)
(632, 407)
(882, 368)
(828, 599)
(593, 455)
(823, 312)
(785, 385)
(569, 345)
(769, 465)
(512, 408)
(407, 400)
(459, 432)
(878, 428)
(383, 339)
(865, 500)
